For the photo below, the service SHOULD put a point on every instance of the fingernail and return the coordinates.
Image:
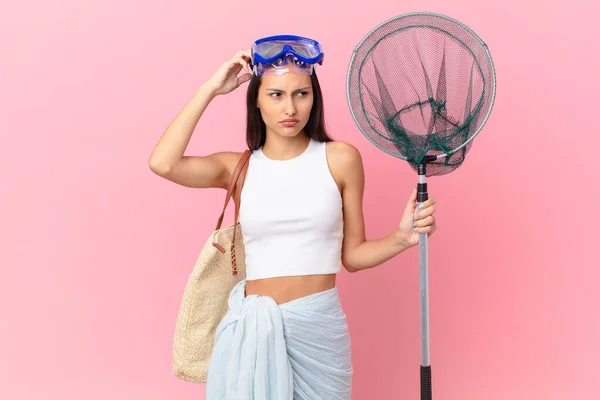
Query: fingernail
(415, 229)
(415, 225)
(415, 217)
(421, 206)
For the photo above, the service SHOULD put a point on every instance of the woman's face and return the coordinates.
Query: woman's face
(285, 102)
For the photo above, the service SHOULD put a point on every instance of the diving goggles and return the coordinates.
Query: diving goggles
(276, 55)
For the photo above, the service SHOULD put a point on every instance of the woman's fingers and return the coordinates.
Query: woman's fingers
(237, 64)
(246, 54)
(425, 209)
(244, 78)
(424, 221)
(429, 202)
(427, 229)
(245, 64)
(241, 61)
(427, 221)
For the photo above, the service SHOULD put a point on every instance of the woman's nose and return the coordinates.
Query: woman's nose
(290, 107)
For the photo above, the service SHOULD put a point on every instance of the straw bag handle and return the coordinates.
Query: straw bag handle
(236, 183)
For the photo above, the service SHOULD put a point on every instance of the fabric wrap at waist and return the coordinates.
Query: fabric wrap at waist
(296, 350)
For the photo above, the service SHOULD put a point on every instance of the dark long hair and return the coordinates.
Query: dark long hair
(256, 131)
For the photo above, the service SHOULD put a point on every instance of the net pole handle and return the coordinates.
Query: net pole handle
(426, 383)
(425, 369)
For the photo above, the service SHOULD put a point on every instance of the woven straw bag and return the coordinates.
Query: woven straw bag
(205, 297)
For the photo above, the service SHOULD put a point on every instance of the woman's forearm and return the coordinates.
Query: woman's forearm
(174, 141)
(372, 253)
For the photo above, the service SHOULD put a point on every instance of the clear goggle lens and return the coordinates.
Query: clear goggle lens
(284, 64)
(270, 49)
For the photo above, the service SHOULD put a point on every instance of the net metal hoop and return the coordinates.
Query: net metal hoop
(469, 30)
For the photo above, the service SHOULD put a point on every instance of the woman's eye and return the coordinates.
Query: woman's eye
(303, 94)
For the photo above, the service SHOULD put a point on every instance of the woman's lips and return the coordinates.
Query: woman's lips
(289, 122)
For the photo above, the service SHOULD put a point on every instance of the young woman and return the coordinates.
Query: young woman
(285, 334)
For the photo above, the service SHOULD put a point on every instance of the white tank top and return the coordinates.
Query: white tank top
(291, 215)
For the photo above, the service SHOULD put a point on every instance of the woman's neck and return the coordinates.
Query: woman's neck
(279, 147)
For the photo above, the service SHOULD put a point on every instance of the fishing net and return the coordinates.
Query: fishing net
(420, 87)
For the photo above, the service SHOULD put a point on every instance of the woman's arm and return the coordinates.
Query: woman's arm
(357, 252)
(167, 159)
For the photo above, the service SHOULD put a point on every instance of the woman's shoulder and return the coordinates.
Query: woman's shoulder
(345, 163)
(229, 161)
(343, 153)
(229, 158)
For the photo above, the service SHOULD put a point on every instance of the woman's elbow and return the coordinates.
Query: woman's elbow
(159, 168)
(348, 266)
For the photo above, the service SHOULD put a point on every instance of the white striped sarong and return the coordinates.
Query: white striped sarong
(292, 351)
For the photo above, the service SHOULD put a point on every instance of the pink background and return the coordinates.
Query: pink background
(95, 249)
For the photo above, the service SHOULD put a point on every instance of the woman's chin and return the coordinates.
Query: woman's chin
(290, 131)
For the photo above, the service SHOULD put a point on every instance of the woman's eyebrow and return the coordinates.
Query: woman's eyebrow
(283, 91)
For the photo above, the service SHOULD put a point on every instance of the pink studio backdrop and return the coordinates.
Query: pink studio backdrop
(95, 249)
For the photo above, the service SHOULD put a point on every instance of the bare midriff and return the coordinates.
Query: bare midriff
(287, 288)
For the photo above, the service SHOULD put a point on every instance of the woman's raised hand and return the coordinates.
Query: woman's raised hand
(226, 78)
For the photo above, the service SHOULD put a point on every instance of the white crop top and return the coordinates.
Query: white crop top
(291, 215)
